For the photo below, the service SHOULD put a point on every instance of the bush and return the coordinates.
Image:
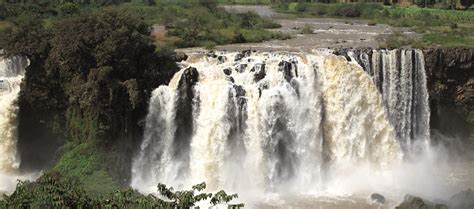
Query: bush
(348, 12)
(209, 45)
(68, 9)
(52, 190)
(306, 29)
(301, 7)
(318, 10)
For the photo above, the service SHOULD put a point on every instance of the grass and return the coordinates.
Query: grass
(83, 161)
(446, 28)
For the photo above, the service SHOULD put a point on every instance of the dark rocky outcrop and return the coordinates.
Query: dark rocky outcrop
(221, 59)
(413, 202)
(286, 67)
(259, 72)
(211, 54)
(462, 200)
(242, 54)
(241, 68)
(450, 76)
(378, 198)
(180, 56)
(227, 71)
(451, 87)
(230, 79)
(184, 113)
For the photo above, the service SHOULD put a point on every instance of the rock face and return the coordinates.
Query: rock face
(451, 84)
(184, 120)
(413, 202)
(180, 56)
(377, 198)
(260, 72)
(244, 53)
(450, 76)
(462, 200)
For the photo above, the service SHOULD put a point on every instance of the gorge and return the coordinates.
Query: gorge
(289, 122)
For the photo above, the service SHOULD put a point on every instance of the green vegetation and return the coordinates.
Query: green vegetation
(247, 2)
(306, 29)
(436, 25)
(188, 23)
(53, 190)
(91, 73)
(398, 40)
(83, 162)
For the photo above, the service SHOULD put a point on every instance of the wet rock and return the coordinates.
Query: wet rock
(462, 200)
(296, 86)
(262, 87)
(184, 106)
(239, 91)
(227, 71)
(413, 202)
(289, 70)
(242, 54)
(378, 198)
(230, 79)
(451, 91)
(211, 54)
(180, 56)
(260, 72)
(189, 77)
(241, 68)
(221, 59)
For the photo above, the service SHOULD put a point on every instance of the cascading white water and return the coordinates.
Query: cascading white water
(284, 122)
(400, 76)
(11, 74)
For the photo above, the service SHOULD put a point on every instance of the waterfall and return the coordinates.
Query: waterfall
(11, 74)
(401, 78)
(283, 121)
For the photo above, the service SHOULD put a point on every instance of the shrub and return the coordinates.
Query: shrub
(68, 9)
(348, 12)
(318, 10)
(239, 38)
(209, 45)
(301, 7)
(52, 190)
(306, 29)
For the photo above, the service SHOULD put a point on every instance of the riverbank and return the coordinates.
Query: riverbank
(437, 27)
(323, 32)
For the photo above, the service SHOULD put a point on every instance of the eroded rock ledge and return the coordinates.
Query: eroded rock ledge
(451, 87)
(450, 75)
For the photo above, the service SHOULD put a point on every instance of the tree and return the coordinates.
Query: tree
(68, 8)
(52, 190)
(467, 3)
(100, 66)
